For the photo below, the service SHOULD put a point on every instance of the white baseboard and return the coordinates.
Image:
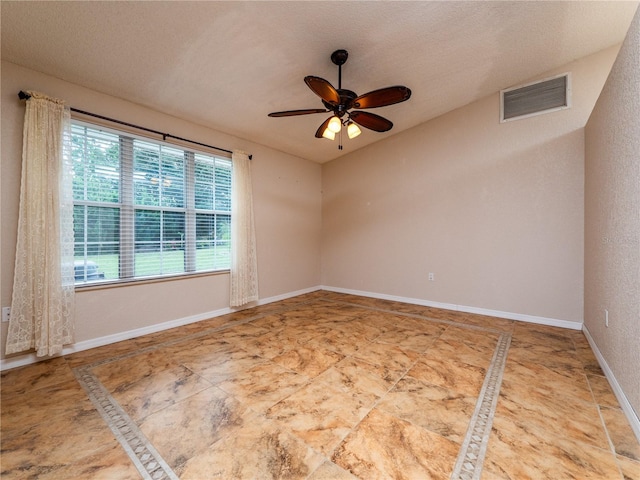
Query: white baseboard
(628, 410)
(29, 358)
(553, 322)
(285, 296)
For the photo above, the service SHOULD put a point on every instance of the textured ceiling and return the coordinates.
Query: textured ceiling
(226, 65)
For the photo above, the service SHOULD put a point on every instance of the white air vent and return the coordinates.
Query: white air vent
(535, 98)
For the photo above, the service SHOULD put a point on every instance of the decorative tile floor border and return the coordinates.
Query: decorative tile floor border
(147, 460)
(152, 466)
(474, 447)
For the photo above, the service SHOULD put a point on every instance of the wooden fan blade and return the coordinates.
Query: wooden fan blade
(382, 97)
(291, 113)
(323, 89)
(371, 121)
(323, 127)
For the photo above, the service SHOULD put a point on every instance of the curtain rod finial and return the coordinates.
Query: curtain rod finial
(24, 95)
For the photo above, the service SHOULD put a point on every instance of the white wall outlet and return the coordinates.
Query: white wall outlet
(431, 277)
(6, 313)
(606, 317)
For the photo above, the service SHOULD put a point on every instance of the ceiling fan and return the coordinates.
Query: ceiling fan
(341, 103)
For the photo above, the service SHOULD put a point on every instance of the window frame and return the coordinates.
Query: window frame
(128, 207)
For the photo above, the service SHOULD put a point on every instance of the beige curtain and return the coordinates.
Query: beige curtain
(244, 262)
(42, 303)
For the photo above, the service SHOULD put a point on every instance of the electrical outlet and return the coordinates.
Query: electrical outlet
(431, 277)
(606, 317)
(6, 313)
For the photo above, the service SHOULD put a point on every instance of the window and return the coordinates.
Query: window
(144, 208)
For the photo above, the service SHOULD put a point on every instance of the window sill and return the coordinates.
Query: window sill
(108, 284)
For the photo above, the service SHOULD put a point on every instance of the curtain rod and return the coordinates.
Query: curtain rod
(25, 96)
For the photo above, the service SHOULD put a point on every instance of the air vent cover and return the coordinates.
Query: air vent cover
(535, 98)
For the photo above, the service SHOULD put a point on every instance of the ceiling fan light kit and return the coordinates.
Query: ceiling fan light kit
(328, 134)
(340, 103)
(352, 130)
(335, 124)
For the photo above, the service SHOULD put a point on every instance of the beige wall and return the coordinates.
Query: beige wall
(494, 210)
(612, 225)
(287, 202)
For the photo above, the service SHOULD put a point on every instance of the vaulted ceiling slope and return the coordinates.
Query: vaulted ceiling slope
(226, 65)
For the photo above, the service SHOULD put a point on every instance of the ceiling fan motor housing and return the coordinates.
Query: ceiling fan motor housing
(346, 102)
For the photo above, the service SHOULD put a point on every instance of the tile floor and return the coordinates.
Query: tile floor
(322, 386)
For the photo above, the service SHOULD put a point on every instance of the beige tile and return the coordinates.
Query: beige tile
(271, 323)
(330, 471)
(544, 333)
(109, 463)
(60, 441)
(551, 381)
(559, 416)
(159, 390)
(620, 432)
(33, 377)
(240, 333)
(272, 344)
(478, 338)
(264, 385)
(449, 373)
(383, 446)
(589, 360)
(257, 449)
(308, 361)
(358, 377)
(479, 355)
(362, 330)
(391, 356)
(517, 451)
(602, 391)
(223, 365)
(630, 468)
(198, 347)
(127, 371)
(25, 410)
(414, 340)
(321, 414)
(189, 427)
(552, 356)
(432, 407)
(375, 322)
(339, 341)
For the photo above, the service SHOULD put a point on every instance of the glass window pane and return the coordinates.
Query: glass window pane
(146, 173)
(96, 165)
(213, 246)
(159, 242)
(158, 175)
(172, 175)
(223, 186)
(204, 182)
(97, 245)
(173, 235)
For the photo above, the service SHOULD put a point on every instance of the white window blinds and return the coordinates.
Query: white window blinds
(144, 208)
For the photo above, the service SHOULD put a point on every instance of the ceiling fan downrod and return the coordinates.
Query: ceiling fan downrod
(339, 58)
